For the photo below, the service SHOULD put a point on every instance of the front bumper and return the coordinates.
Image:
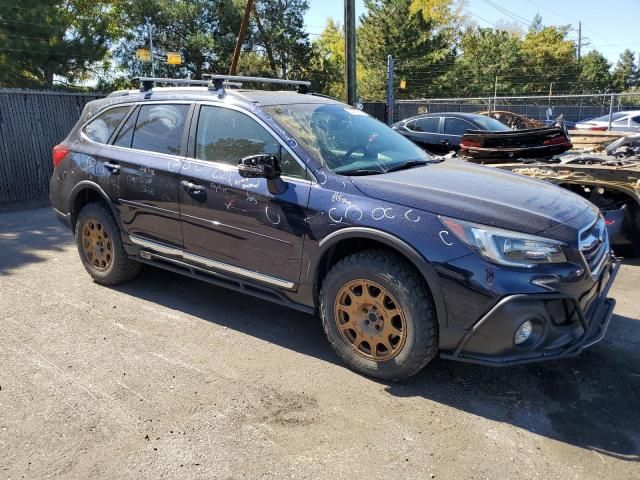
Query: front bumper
(564, 326)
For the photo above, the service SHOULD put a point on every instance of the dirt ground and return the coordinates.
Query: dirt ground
(166, 377)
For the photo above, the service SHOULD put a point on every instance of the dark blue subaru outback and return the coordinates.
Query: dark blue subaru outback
(307, 202)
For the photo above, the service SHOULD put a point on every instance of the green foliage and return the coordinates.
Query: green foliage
(327, 61)
(595, 73)
(279, 31)
(626, 75)
(417, 42)
(44, 39)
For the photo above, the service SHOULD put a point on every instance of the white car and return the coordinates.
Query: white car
(625, 121)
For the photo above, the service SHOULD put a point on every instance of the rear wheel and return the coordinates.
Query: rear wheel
(378, 315)
(100, 246)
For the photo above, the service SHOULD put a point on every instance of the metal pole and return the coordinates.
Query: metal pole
(495, 92)
(350, 50)
(390, 90)
(579, 40)
(153, 63)
(489, 102)
(610, 112)
(243, 29)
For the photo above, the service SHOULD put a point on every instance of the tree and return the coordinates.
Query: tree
(279, 32)
(420, 45)
(327, 62)
(485, 55)
(43, 40)
(595, 75)
(626, 75)
(549, 57)
(203, 32)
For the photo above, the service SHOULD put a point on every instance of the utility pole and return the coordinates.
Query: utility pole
(495, 94)
(390, 86)
(579, 40)
(243, 29)
(350, 51)
(153, 63)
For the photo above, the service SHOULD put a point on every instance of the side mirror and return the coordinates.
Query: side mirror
(263, 166)
(259, 166)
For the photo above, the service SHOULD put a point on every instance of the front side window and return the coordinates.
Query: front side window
(225, 136)
(345, 139)
(102, 127)
(456, 126)
(160, 128)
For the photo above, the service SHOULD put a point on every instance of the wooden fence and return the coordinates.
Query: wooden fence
(31, 124)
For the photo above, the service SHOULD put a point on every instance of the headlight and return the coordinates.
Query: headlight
(505, 247)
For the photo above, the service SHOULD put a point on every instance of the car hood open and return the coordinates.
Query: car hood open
(466, 191)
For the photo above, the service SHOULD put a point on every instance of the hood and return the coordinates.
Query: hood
(475, 193)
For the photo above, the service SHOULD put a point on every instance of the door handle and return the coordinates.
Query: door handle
(445, 142)
(113, 168)
(191, 187)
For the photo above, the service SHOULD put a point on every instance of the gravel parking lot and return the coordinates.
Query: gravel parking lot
(168, 377)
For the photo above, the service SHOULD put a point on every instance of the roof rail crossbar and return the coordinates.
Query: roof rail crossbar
(219, 80)
(147, 83)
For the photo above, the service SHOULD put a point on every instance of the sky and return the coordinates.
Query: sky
(609, 26)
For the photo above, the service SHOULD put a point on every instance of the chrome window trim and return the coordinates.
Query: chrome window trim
(225, 267)
(268, 129)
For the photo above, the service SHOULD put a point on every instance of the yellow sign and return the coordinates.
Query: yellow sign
(143, 55)
(403, 84)
(174, 58)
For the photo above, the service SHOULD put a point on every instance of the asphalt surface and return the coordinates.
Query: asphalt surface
(166, 377)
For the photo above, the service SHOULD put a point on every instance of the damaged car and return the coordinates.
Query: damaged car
(481, 137)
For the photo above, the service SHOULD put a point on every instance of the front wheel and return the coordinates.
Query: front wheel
(378, 315)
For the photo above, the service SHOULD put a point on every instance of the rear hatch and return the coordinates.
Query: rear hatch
(536, 142)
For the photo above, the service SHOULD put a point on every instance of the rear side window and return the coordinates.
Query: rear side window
(224, 135)
(427, 125)
(455, 126)
(102, 127)
(159, 128)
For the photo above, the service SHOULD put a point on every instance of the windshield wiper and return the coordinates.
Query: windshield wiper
(360, 171)
(409, 164)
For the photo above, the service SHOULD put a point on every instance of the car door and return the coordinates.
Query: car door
(452, 132)
(148, 152)
(427, 130)
(235, 224)
(96, 167)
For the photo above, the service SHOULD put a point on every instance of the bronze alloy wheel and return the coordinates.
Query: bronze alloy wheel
(370, 320)
(96, 244)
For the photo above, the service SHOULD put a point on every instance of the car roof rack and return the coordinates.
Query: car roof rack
(218, 81)
(147, 83)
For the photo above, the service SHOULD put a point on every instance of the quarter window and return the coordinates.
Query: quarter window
(102, 127)
(125, 135)
(225, 136)
(160, 128)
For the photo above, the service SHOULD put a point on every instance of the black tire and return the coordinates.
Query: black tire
(121, 268)
(403, 282)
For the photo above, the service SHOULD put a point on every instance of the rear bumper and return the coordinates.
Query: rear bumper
(562, 326)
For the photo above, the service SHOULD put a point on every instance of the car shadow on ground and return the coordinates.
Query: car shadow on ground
(590, 401)
(26, 235)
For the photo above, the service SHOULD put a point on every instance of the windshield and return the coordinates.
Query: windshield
(491, 124)
(605, 118)
(346, 140)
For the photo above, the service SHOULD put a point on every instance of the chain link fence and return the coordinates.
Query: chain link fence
(574, 108)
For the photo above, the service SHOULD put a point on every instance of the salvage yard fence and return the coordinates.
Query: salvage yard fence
(31, 123)
(574, 108)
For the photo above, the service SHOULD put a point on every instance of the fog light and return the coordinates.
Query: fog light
(523, 333)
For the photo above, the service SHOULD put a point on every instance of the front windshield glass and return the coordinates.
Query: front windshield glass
(346, 140)
(491, 124)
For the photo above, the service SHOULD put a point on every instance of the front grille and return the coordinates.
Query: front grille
(594, 246)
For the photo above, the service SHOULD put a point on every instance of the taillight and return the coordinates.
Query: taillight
(560, 140)
(597, 129)
(469, 143)
(58, 154)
